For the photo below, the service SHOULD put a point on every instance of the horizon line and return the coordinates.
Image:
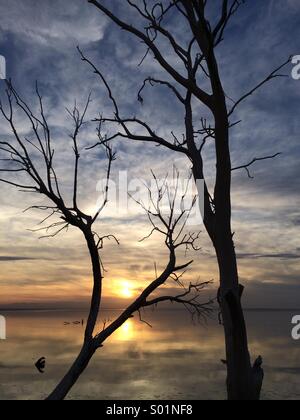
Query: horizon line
(81, 308)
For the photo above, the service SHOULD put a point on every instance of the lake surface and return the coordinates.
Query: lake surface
(175, 359)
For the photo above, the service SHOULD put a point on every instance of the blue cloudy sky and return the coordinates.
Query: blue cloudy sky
(39, 39)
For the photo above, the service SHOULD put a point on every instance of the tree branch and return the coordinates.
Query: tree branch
(188, 84)
(124, 122)
(246, 167)
(153, 81)
(270, 77)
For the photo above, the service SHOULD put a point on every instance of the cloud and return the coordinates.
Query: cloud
(11, 258)
(280, 256)
(51, 25)
(39, 42)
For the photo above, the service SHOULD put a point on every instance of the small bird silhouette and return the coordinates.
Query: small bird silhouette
(41, 364)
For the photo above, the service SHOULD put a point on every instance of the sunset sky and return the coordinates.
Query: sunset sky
(38, 40)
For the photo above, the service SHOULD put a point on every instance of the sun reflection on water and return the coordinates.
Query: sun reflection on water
(165, 361)
(126, 332)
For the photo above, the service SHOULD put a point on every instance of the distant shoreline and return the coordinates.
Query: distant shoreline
(18, 310)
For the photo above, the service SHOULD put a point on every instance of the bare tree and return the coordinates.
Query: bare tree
(198, 61)
(34, 157)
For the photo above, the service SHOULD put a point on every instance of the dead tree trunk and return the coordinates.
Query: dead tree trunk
(240, 381)
(89, 347)
(78, 367)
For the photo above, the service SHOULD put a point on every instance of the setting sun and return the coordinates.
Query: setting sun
(125, 290)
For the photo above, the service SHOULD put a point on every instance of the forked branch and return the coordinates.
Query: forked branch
(247, 166)
(270, 77)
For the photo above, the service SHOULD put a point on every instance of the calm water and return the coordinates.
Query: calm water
(173, 360)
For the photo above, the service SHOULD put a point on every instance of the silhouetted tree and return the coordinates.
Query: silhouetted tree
(34, 159)
(147, 21)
